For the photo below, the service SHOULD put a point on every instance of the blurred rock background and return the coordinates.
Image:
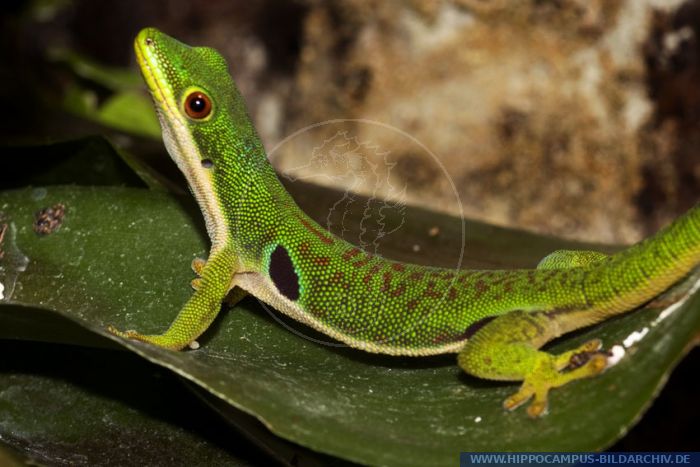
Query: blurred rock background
(568, 117)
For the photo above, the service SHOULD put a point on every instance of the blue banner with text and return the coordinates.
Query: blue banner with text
(615, 459)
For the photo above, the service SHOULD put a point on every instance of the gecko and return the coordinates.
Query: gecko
(263, 244)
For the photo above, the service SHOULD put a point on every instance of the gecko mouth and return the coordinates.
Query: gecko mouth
(148, 67)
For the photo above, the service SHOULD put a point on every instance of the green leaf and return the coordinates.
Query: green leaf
(127, 108)
(127, 111)
(80, 406)
(131, 112)
(121, 257)
(114, 78)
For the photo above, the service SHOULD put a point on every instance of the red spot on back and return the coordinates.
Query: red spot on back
(351, 253)
(387, 277)
(430, 291)
(373, 270)
(322, 261)
(481, 287)
(464, 276)
(443, 338)
(398, 267)
(531, 277)
(362, 262)
(336, 277)
(387, 281)
(452, 294)
(412, 304)
(416, 276)
(398, 290)
(323, 236)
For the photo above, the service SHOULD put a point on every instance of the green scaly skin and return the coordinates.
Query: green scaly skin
(263, 244)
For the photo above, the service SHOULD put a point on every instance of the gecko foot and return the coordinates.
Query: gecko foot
(556, 370)
(160, 340)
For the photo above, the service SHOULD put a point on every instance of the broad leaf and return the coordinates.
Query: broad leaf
(121, 257)
(67, 405)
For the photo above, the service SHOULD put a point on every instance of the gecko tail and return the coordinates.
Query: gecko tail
(641, 272)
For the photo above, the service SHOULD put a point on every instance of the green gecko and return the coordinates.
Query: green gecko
(262, 243)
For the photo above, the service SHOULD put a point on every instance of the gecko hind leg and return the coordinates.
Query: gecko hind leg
(563, 259)
(549, 374)
(507, 349)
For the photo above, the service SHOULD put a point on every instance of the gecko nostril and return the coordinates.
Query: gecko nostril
(149, 41)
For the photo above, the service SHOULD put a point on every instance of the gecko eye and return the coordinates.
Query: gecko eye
(198, 105)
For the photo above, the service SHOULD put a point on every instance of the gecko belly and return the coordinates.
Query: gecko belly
(264, 289)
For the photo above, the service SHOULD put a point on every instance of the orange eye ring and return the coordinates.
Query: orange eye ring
(197, 105)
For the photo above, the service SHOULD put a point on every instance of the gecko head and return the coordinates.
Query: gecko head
(204, 122)
(198, 104)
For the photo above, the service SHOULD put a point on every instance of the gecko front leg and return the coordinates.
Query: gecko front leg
(215, 281)
(234, 296)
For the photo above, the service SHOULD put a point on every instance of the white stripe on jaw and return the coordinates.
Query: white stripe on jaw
(179, 144)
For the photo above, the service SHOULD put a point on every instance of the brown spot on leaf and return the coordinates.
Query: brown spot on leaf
(48, 220)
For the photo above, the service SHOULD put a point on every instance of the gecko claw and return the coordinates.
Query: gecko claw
(519, 398)
(539, 405)
(130, 334)
(198, 265)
